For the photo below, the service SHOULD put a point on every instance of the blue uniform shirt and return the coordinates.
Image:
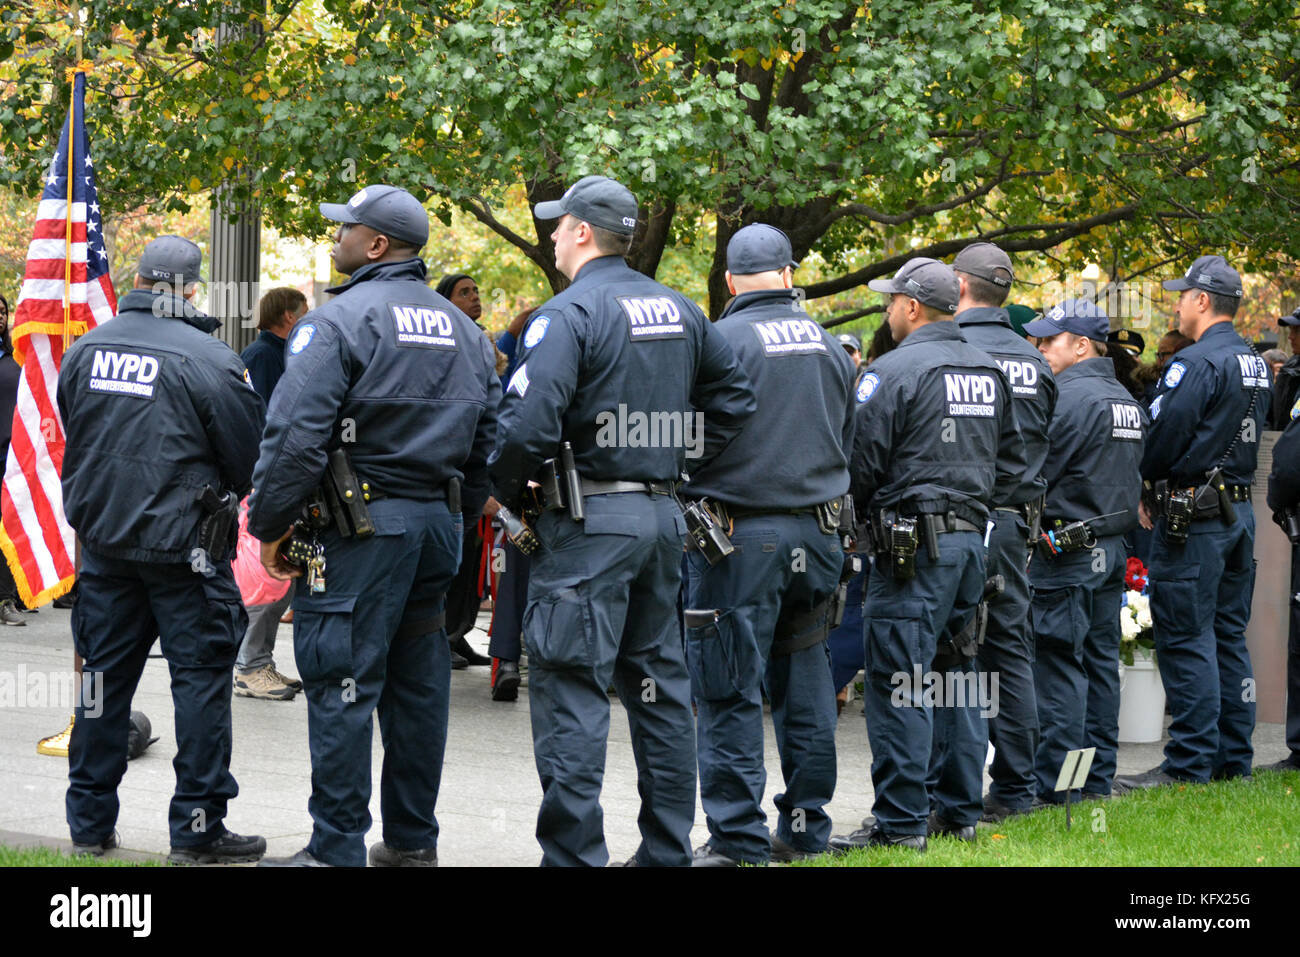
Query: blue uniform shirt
(264, 358)
(395, 374)
(1201, 405)
(1033, 392)
(1097, 435)
(794, 452)
(614, 365)
(934, 431)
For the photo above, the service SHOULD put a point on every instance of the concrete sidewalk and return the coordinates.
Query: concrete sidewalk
(488, 803)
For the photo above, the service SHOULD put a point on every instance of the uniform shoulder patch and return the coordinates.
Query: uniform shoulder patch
(248, 378)
(301, 338)
(536, 330)
(867, 386)
(1295, 410)
(1155, 407)
(1174, 374)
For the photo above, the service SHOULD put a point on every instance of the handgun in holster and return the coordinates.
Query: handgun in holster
(219, 526)
(840, 597)
(561, 485)
(964, 645)
(1034, 518)
(346, 498)
(705, 532)
(1218, 485)
(1289, 521)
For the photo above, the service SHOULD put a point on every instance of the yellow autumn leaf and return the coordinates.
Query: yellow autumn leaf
(350, 59)
(247, 87)
(999, 837)
(299, 182)
(195, 185)
(228, 162)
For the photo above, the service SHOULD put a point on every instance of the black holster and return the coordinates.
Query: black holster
(965, 645)
(219, 526)
(346, 498)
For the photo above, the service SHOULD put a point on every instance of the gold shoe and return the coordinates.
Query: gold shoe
(56, 745)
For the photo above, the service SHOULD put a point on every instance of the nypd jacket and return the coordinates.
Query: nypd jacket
(392, 372)
(154, 409)
(1033, 393)
(1201, 407)
(1284, 480)
(614, 365)
(934, 431)
(794, 452)
(1097, 436)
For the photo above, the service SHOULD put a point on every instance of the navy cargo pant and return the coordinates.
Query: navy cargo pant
(1075, 614)
(123, 607)
(602, 610)
(903, 623)
(1008, 652)
(781, 562)
(368, 643)
(512, 599)
(1200, 603)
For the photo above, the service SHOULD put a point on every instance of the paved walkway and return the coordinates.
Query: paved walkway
(488, 804)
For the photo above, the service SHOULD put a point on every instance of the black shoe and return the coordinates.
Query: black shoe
(1290, 763)
(505, 679)
(97, 850)
(66, 600)
(229, 848)
(783, 853)
(706, 856)
(1156, 777)
(995, 812)
(461, 647)
(458, 663)
(301, 859)
(875, 837)
(939, 827)
(381, 855)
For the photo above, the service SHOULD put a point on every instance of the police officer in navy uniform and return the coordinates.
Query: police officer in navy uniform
(1092, 471)
(985, 274)
(156, 410)
(403, 381)
(612, 366)
(1284, 498)
(771, 596)
(1200, 459)
(932, 417)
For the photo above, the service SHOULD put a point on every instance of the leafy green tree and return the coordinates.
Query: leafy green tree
(1134, 136)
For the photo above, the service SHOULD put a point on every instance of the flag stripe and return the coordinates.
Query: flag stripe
(34, 532)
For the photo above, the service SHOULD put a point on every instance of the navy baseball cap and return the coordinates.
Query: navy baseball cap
(928, 281)
(390, 210)
(598, 200)
(1291, 320)
(758, 248)
(985, 261)
(1082, 317)
(849, 341)
(1210, 273)
(172, 259)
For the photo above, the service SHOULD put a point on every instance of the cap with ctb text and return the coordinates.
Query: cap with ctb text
(598, 200)
(1211, 274)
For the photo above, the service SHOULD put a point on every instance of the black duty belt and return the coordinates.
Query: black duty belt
(551, 497)
(1207, 504)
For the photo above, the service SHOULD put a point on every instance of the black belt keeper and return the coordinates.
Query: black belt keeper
(421, 626)
(801, 630)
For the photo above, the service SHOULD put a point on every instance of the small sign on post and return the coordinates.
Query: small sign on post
(1074, 772)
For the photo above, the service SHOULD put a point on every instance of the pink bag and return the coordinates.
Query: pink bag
(256, 587)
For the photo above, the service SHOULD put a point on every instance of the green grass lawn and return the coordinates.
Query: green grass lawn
(1226, 824)
(46, 857)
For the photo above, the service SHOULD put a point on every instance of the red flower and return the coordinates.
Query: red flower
(1135, 575)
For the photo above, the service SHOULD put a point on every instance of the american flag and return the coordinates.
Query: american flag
(66, 292)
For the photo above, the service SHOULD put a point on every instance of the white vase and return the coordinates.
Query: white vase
(1141, 701)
